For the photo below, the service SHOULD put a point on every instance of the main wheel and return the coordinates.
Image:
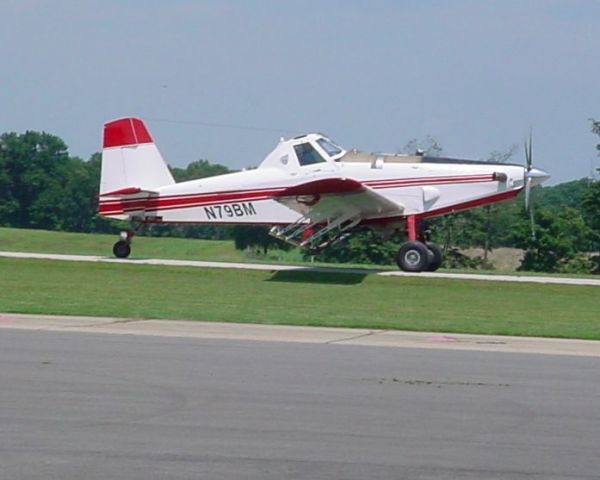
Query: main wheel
(121, 249)
(413, 257)
(436, 256)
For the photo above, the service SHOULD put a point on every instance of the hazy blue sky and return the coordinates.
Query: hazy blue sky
(371, 74)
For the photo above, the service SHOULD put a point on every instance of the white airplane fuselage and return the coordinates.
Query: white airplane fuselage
(309, 189)
(423, 190)
(421, 187)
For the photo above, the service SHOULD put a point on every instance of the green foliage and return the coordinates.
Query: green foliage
(41, 186)
(365, 247)
(198, 169)
(591, 208)
(428, 146)
(453, 258)
(559, 237)
(591, 199)
(596, 130)
(568, 194)
(252, 237)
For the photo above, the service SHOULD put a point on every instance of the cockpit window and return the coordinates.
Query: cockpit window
(307, 155)
(331, 149)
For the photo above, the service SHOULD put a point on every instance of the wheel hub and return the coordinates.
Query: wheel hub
(412, 257)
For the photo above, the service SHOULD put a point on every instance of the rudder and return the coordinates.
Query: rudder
(130, 159)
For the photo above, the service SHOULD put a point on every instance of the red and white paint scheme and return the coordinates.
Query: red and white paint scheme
(310, 190)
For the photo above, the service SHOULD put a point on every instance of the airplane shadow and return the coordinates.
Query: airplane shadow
(312, 276)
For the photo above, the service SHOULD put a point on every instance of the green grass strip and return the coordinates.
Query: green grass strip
(299, 298)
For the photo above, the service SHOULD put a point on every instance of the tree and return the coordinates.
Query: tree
(364, 246)
(596, 130)
(570, 194)
(85, 194)
(198, 169)
(591, 198)
(560, 235)
(591, 208)
(35, 179)
(429, 146)
(9, 205)
(256, 237)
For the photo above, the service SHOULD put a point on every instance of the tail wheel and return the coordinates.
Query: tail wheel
(414, 257)
(436, 257)
(122, 249)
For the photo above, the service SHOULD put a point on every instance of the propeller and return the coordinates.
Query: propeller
(528, 180)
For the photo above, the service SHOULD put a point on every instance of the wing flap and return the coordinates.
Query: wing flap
(326, 199)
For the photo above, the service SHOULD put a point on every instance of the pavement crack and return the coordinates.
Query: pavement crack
(112, 322)
(354, 337)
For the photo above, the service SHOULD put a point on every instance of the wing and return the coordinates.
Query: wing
(332, 198)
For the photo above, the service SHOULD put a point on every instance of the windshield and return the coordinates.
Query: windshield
(331, 149)
(307, 155)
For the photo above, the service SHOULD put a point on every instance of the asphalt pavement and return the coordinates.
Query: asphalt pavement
(99, 406)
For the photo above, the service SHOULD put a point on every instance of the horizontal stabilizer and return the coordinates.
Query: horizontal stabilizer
(122, 192)
(128, 202)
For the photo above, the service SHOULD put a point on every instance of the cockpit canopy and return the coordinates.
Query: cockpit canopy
(303, 151)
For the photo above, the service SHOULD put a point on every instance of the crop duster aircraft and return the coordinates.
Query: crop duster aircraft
(309, 189)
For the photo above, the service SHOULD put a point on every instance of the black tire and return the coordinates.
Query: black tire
(121, 249)
(436, 256)
(413, 257)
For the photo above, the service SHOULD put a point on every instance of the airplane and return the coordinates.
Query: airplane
(311, 191)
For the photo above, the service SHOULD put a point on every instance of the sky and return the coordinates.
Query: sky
(224, 80)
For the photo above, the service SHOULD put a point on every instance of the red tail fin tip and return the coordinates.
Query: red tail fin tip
(125, 131)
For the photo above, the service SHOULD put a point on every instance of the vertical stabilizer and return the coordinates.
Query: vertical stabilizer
(130, 158)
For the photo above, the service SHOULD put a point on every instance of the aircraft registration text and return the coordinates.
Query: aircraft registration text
(231, 210)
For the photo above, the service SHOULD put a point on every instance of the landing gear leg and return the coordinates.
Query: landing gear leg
(122, 248)
(418, 255)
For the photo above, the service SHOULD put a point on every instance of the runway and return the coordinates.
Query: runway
(98, 406)
(275, 267)
(299, 334)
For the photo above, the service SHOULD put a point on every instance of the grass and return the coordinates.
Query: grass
(23, 240)
(43, 241)
(299, 298)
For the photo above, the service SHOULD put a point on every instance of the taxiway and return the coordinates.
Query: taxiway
(275, 267)
(97, 406)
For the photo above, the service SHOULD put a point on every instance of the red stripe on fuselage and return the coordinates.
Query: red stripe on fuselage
(191, 200)
(406, 182)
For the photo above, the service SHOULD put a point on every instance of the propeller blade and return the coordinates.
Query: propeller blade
(528, 178)
(529, 151)
(532, 222)
(527, 193)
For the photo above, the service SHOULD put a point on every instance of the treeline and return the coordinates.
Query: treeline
(42, 186)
